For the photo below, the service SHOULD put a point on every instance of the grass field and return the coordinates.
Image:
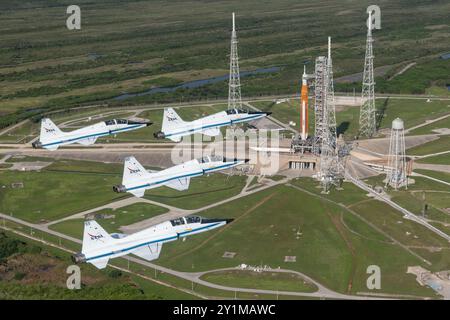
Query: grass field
(45, 66)
(428, 129)
(122, 217)
(440, 159)
(202, 191)
(61, 189)
(440, 145)
(434, 174)
(264, 280)
(435, 194)
(42, 274)
(328, 249)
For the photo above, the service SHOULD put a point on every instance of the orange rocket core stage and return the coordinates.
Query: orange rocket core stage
(304, 108)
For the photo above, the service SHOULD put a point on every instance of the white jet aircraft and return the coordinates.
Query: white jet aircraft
(99, 246)
(174, 128)
(136, 179)
(52, 137)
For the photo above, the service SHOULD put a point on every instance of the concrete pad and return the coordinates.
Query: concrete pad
(290, 259)
(229, 255)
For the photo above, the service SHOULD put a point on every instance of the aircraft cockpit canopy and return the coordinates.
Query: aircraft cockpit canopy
(120, 121)
(207, 159)
(193, 219)
(177, 222)
(236, 111)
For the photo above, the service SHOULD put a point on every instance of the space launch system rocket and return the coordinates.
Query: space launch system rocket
(304, 107)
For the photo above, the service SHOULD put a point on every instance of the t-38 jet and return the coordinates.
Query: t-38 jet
(174, 128)
(136, 179)
(99, 246)
(52, 137)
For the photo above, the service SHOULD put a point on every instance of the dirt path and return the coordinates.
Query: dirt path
(340, 229)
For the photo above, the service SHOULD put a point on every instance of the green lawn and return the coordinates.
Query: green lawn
(332, 252)
(44, 278)
(202, 191)
(412, 111)
(351, 195)
(260, 280)
(48, 195)
(440, 159)
(439, 145)
(428, 129)
(434, 174)
(122, 217)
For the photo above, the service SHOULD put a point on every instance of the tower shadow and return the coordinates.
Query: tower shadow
(380, 114)
(343, 126)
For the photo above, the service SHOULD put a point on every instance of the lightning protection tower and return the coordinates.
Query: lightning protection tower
(367, 121)
(319, 102)
(234, 90)
(329, 162)
(396, 171)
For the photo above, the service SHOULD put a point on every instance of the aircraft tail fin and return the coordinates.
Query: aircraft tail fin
(171, 120)
(49, 130)
(94, 236)
(133, 170)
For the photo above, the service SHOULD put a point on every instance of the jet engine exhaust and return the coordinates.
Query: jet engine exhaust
(119, 188)
(78, 258)
(36, 144)
(159, 135)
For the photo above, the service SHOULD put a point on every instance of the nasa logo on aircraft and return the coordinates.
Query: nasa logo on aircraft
(49, 130)
(171, 118)
(133, 170)
(96, 237)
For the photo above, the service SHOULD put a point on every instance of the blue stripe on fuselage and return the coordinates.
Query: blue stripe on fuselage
(92, 135)
(182, 176)
(213, 125)
(150, 242)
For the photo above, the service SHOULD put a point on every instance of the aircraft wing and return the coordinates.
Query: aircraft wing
(138, 192)
(212, 132)
(179, 184)
(100, 263)
(175, 138)
(87, 141)
(149, 252)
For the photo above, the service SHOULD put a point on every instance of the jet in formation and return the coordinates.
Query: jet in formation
(136, 179)
(99, 246)
(52, 137)
(174, 128)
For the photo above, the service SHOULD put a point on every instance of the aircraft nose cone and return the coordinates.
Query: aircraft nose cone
(148, 124)
(229, 221)
(247, 160)
(268, 113)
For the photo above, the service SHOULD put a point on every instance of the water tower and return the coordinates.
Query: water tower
(396, 171)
